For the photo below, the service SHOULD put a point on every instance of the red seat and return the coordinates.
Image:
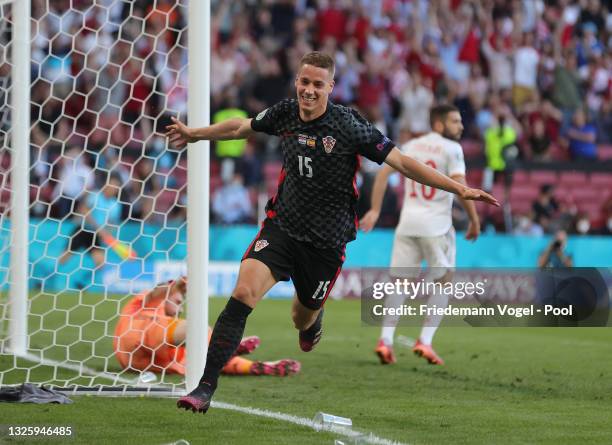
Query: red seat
(603, 180)
(604, 152)
(520, 177)
(543, 177)
(474, 178)
(586, 195)
(472, 149)
(521, 206)
(573, 178)
(592, 209)
(521, 198)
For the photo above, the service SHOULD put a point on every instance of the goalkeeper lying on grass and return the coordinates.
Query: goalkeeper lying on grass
(150, 336)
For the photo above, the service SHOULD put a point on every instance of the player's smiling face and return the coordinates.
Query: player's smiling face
(313, 85)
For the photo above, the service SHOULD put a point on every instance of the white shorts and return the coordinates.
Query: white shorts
(439, 252)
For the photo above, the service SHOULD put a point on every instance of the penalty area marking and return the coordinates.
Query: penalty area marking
(301, 421)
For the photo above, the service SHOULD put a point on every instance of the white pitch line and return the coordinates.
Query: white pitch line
(302, 421)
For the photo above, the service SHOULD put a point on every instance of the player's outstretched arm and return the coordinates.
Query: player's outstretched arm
(473, 230)
(180, 134)
(369, 220)
(413, 169)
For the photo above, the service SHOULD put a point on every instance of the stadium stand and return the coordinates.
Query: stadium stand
(532, 61)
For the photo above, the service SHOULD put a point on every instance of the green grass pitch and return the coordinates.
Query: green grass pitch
(503, 385)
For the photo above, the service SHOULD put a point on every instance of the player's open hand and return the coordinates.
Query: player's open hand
(479, 195)
(179, 134)
(473, 231)
(368, 221)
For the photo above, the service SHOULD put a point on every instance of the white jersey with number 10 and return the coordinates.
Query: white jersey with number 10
(428, 211)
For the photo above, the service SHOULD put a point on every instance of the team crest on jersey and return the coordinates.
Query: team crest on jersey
(261, 115)
(310, 141)
(261, 244)
(328, 143)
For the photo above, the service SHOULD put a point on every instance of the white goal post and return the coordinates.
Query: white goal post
(57, 321)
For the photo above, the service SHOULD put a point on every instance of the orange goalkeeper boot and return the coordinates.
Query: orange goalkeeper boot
(385, 353)
(427, 352)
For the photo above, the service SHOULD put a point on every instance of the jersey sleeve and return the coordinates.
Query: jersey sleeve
(456, 164)
(368, 140)
(268, 121)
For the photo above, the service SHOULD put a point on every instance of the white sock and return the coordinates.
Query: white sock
(386, 335)
(432, 322)
(390, 321)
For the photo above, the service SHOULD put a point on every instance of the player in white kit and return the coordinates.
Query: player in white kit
(425, 230)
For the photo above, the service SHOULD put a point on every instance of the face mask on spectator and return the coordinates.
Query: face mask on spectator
(583, 226)
(524, 222)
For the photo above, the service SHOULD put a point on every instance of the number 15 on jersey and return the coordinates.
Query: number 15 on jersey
(304, 165)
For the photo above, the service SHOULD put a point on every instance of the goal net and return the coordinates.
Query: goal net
(107, 196)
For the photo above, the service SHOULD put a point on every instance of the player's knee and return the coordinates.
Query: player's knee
(245, 294)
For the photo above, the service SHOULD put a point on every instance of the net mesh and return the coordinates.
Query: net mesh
(107, 196)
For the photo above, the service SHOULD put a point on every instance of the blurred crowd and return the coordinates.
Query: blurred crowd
(534, 75)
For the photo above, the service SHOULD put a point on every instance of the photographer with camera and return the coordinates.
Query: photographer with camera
(554, 255)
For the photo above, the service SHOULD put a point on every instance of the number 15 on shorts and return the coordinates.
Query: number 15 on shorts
(319, 294)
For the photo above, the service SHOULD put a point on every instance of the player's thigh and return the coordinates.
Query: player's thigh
(406, 256)
(268, 259)
(254, 279)
(440, 253)
(315, 274)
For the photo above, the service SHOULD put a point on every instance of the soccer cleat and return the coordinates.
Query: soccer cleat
(248, 345)
(281, 368)
(385, 353)
(311, 336)
(427, 352)
(197, 400)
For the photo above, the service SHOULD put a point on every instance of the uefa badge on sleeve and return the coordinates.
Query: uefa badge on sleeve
(260, 244)
(328, 143)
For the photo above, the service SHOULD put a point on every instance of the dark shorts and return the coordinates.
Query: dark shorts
(313, 271)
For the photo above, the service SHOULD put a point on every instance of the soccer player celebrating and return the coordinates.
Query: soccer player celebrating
(312, 216)
(425, 230)
(150, 336)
